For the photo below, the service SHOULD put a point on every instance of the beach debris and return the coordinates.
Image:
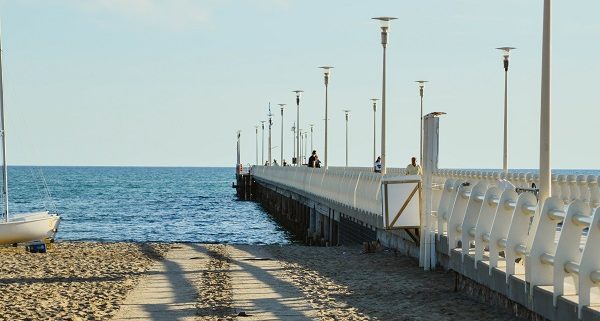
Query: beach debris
(257, 259)
(372, 247)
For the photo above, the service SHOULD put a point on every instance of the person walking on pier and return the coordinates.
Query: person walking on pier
(275, 163)
(377, 166)
(413, 168)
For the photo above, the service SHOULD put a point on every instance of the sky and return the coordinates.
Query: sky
(170, 82)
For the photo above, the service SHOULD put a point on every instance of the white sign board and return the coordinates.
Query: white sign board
(401, 201)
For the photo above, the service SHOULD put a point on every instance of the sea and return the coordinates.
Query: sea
(143, 204)
(151, 204)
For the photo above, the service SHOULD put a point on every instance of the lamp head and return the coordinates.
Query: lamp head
(421, 83)
(374, 100)
(326, 70)
(506, 51)
(385, 22)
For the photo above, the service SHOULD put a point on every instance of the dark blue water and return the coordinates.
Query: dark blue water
(144, 204)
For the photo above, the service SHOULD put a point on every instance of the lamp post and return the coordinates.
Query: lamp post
(301, 146)
(305, 139)
(262, 161)
(256, 127)
(346, 112)
(298, 94)
(311, 136)
(269, 160)
(374, 100)
(327, 73)
(293, 142)
(545, 111)
(385, 25)
(421, 87)
(237, 165)
(281, 150)
(505, 54)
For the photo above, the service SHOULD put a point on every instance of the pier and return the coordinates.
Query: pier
(539, 259)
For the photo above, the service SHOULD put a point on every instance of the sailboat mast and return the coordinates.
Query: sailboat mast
(3, 134)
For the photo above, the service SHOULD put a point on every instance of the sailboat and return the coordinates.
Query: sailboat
(21, 228)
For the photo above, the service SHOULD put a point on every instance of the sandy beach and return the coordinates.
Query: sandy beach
(90, 281)
(72, 281)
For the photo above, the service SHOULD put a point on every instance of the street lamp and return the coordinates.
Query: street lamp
(237, 165)
(298, 93)
(256, 127)
(505, 54)
(374, 100)
(311, 136)
(305, 140)
(545, 110)
(300, 152)
(262, 161)
(421, 87)
(270, 125)
(385, 25)
(293, 142)
(281, 151)
(327, 73)
(346, 112)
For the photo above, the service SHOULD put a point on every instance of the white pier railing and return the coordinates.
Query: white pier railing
(356, 188)
(495, 225)
(555, 248)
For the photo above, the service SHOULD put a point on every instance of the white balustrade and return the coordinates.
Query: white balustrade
(574, 191)
(446, 203)
(483, 227)
(471, 215)
(558, 243)
(594, 191)
(518, 232)
(565, 193)
(357, 188)
(584, 189)
(589, 266)
(567, 250)
(501, 225)
(543, 248)
(457, 215)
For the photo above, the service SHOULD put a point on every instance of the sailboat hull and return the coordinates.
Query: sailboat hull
(29, 227)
